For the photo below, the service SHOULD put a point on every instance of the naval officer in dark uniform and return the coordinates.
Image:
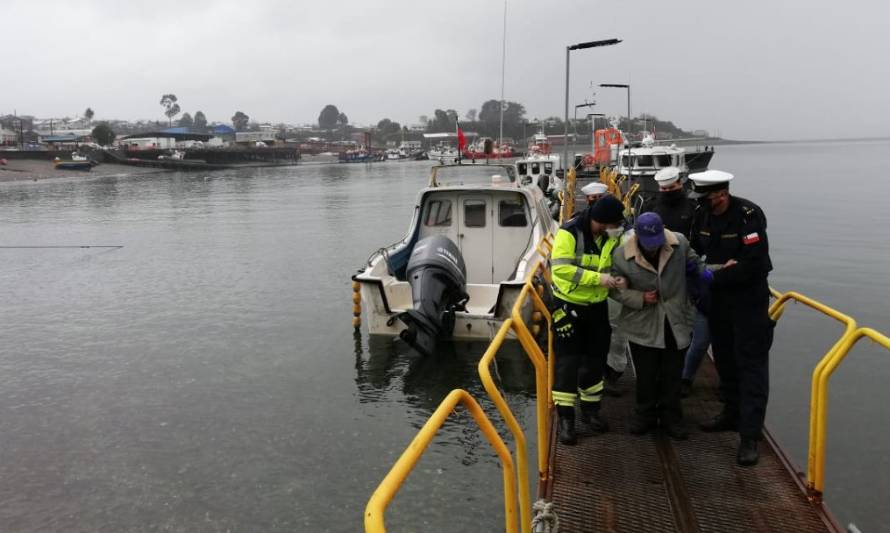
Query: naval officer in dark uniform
(731, 231)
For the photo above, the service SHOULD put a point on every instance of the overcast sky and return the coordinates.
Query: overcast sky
(754, 69)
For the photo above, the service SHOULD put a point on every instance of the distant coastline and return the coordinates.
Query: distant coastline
(718, 142)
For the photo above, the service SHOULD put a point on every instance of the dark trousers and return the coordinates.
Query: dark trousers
(581, 358)
(658, 380)
(741, 336)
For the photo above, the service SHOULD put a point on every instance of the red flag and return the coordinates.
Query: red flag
(461, 140)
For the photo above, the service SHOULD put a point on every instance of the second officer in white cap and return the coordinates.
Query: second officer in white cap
(671, 202)
(594, 191)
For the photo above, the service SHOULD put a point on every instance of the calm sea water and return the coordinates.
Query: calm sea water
(205, 377)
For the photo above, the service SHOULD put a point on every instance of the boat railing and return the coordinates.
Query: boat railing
(533, 289)
(434, 173)
(819, 381)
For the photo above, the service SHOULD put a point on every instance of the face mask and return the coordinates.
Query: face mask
(673, 196)
(614, 233)
(705, 203)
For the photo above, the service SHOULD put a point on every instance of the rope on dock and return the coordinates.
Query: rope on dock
(545, 519)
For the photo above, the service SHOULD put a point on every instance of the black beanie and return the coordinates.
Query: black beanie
(607, 210)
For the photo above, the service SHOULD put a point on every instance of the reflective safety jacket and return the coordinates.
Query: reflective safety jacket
(577, 261)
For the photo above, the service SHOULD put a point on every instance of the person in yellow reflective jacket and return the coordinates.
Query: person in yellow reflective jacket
(580, 265)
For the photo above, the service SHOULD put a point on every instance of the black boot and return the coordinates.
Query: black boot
(639, 425)
(722, 422)
(676, 430)
(685, 388)
(566, 425)
(748, 454)
(610, 382)
(590, 413)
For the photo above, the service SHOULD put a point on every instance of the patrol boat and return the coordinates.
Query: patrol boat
(459, 269)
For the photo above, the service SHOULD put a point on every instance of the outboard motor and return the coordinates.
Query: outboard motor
(438, 279)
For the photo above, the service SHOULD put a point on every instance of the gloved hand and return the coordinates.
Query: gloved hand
(563, 323)
(706, 277)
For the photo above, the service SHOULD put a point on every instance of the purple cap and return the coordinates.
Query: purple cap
(649, 230)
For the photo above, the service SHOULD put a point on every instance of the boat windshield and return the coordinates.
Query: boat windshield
(473, 174)
(663, 160)
(643, 161)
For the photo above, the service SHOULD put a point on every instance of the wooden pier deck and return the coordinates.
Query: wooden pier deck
(618, 482)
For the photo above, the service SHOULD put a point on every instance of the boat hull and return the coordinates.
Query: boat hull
(381, 319)
(698, 161)
(73, 165)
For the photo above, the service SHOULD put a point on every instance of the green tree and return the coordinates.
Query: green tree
(471, 115)
(282, 131)
(342, 120)
(387, 129)
(171, 108)
(327, 119)
(490, 118)
(200, 122)
(441, 122)
(240, 121)
(88, 114)
(185, 121)
(103, 134)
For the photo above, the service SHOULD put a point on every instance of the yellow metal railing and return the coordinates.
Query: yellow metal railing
(819, 382)
(823, 372)
(374, 511)
(543, 365)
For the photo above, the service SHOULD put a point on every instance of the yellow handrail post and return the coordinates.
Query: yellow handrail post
(500, 403)
(374, 511)
(537, 358)
(817, 430)
(538, 303)
(831, 361)
(568, 199)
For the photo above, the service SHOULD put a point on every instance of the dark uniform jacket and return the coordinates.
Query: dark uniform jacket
(740, 234)
(675, 210)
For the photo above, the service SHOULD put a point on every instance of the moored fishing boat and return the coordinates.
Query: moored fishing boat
(639, 161)
(469, 249)
(488, 148)
(76, 163)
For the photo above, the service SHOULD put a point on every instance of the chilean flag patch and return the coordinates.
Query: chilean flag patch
(751, 238)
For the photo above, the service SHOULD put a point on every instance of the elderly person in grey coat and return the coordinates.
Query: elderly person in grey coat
(657, 317)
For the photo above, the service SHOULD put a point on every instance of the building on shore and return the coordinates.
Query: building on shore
(8, 138)
(252, 137)
(168, 139)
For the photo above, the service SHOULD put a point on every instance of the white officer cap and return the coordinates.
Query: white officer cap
(667, 175)
(594, 187)
(710, 177)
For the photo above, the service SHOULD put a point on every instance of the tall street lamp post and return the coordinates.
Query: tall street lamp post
(579, 46)
(622, 86)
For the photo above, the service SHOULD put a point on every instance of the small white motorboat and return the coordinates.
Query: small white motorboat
(474, 238)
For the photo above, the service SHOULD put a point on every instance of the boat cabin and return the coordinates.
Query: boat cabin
(495, 221)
